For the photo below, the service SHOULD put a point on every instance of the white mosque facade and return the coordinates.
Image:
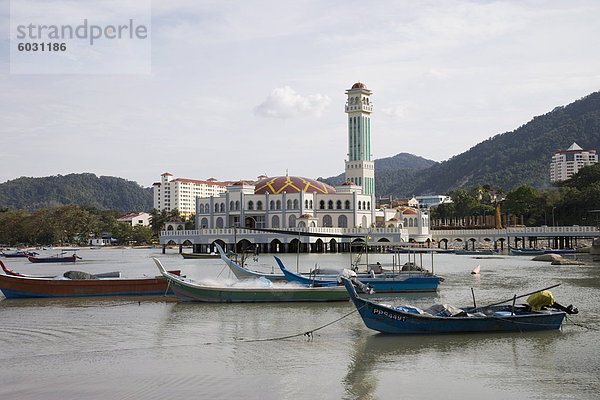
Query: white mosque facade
(292, 202)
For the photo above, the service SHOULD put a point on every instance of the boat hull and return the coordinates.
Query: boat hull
(14, 287)
(51, 259)
(199, 256)
(390, 320)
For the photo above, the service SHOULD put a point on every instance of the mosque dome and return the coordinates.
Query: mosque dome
(291, 184)
(359, 85)
(408, 210)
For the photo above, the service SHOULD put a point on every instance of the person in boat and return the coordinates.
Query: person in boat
(543, 299)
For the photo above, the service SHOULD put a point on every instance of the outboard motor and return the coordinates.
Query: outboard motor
(351, 275)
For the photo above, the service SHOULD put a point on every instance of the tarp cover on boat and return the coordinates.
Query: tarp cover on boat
(79, 275)
(540, 299)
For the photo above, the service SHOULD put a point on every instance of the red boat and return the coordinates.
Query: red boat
(15, 287)
(53, 259)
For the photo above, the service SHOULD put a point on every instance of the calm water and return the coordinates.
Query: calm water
(147, 348)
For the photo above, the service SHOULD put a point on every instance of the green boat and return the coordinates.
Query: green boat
(256, 291)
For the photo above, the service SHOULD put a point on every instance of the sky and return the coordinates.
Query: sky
(236, 89)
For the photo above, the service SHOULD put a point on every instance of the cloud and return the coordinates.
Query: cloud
(284, 102)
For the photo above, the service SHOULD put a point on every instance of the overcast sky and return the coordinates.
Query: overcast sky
(238, 89)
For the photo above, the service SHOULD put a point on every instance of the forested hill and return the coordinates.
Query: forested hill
(85, 189)
(519, 157)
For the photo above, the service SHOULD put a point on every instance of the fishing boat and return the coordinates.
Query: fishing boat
(199, 256)
(409, 282)
(18, 254)
(483, 252)
(14, 287)
(113, 274)
(53, 259)
(525, 252)
(245, 273)
(250, 291)
(494, 318)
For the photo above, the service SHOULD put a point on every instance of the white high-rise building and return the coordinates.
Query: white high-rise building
(566, 163)
(180, 194)
(360, 169)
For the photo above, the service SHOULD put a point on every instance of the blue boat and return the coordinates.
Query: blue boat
(559, 251)
(476, 252)
(525, 252)
(407, 282)
(410, 320)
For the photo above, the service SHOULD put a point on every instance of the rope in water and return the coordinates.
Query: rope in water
(308, 334)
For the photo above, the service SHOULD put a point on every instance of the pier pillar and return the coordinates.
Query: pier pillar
(180, 248)
(164, 248)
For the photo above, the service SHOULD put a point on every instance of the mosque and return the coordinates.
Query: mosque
(293, 202)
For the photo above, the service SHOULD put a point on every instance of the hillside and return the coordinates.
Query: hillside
(507, 160)
(85, 189)
(405, 162)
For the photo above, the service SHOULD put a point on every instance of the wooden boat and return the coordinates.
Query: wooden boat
(408, 320)
(245, 273)
(260, 291)
(14, 287)
(409, 282)
(114, 274)
(18, 254)
(476, 252)
(53, 259)
(200, 256)
(525, 252)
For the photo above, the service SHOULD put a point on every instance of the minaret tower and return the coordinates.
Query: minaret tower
(359, 168)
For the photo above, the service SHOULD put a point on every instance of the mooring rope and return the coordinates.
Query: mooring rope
(308, 334)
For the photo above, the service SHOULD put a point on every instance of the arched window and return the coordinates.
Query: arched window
(306, 203)
(289, 204)
(237, 205)
(201, 208)
(231, 205)
(275, 221)
(347, 205)
(405, 223)
(251, 205)
(342, 221)
(368, 205)
(295, 204)
(330, 204)
(204, 223)
(327, 221)
(259, 205)
(222, 207)
(271, 205)
(359, 205)
(278, 204)
(170, 227)
(322, 204)
(338, 204)
(292, 221)
(364, 206)
(301, 224)
(219, 222)
(410, 222)
(310, 204)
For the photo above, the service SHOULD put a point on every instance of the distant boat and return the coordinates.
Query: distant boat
(19, 253)
(476, 252)
(525, 252)
(114, 274)
(199, 255)
(411, 250)
(406, 282)
(53, 259)
(410, 320)
(256, 291)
